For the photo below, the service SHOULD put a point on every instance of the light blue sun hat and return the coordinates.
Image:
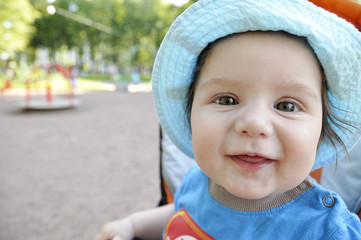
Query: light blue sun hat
(336, 43)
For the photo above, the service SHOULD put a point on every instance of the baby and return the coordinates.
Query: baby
(269, 90)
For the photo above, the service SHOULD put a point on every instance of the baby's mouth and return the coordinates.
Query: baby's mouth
(251, 162)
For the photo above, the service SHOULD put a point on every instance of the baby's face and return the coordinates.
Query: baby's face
(257, 114)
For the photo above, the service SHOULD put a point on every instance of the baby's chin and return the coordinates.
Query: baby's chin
(256, 193)
(251, 196)
(260, 192)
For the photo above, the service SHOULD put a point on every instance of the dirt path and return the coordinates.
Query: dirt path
(65, 173)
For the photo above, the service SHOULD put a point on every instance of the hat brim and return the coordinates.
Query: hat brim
(336, 43)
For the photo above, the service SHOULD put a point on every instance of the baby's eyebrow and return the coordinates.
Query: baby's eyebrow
(215, 82)
(298, 87)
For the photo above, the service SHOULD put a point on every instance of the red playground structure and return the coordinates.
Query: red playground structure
(51, 101)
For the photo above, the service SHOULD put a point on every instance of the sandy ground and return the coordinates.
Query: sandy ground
(64, 173)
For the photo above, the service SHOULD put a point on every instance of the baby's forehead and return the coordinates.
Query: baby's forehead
(277, 38)
(266, 47)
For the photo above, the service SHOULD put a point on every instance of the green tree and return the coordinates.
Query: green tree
(56, 31)
(142, 29)
(138, 27)
(16, 18)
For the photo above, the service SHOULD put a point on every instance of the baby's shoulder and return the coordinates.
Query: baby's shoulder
(330, 211)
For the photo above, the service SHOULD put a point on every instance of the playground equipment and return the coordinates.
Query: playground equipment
(9, 76)
(43, 77)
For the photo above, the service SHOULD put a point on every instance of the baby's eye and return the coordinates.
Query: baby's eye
(286, 107)
(226, 100)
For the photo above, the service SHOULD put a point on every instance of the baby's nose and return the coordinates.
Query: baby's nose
(254, 122)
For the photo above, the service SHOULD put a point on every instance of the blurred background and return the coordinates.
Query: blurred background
(79, 137)
(102, 40)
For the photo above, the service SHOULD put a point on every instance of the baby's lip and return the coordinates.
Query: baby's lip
(251, 161)
(252, 157)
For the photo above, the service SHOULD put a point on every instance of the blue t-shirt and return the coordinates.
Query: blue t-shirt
(199, 216)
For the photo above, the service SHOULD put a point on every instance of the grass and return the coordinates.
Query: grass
(93, 85)
(58, 82)
(94, 82)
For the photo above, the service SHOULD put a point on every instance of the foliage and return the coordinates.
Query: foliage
(138, 27)
(16, 17)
